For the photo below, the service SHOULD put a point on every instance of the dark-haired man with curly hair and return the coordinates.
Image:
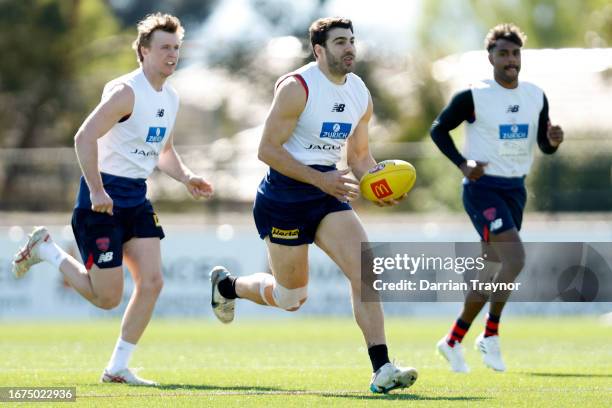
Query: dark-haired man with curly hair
(317, 110)
(505, 120)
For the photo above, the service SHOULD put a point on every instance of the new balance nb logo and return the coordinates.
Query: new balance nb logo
(160, 113)
(496, 224)
(512, 109)
(105, 257)
(338, 107)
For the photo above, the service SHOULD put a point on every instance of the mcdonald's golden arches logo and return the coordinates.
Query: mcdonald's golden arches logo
(381, 189)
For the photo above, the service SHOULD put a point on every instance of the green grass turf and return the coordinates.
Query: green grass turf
(552, 361)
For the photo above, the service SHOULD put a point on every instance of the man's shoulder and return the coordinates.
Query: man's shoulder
(129, 77)
(531, 88)
(303, 72)
(530, 85)
(126, 79)
(293, 85)
(311, 66)
(482, 84)
(357, 79)
(171, 90)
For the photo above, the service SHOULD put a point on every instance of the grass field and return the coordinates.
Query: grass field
(552, 362)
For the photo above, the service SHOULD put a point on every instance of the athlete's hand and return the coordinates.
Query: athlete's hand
(555, 135)
(336, 183)
(101, 202)
(198, 187)
(390, 202)
(472, 169)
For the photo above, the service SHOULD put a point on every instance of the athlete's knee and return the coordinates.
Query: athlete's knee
(151, 285)
(514, 264)
(289, 299)
(296, 308)
(511, 255)
(109, 301)
(488, 274)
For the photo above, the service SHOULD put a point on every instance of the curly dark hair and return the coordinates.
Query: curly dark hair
(504, 31)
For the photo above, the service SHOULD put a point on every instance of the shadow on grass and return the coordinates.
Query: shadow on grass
(570, 375)
(250, 390)
(404, 397)
(212, 387)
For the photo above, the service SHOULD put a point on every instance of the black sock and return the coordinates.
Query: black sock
(227, 288)
(379, 356)
(492, 325)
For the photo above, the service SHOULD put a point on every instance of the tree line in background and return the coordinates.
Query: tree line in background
(59, 53)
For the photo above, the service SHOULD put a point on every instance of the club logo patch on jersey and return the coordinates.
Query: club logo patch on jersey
(285, 234)
(513, 132)
(490, 213)
(156, 134)
(103, 243)
(335, 130)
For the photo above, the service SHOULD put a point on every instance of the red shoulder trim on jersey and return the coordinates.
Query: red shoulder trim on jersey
(298, 77)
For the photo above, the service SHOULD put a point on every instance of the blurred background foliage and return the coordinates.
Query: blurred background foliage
(59, 54)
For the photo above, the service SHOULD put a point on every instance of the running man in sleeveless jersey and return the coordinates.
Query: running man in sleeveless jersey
(303, 199)
(119, 144)
(505, 120)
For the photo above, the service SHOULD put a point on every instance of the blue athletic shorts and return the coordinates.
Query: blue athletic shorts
(289, 211)
(495, 204)
(100, 236)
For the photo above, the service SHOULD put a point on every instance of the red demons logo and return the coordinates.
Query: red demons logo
(490, 213)
(381, 189)
(103, 243)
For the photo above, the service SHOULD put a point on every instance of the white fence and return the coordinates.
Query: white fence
(190, 250)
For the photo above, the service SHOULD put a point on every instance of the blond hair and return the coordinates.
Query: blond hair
(151, 23)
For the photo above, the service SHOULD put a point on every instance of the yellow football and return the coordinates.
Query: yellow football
(389, 179)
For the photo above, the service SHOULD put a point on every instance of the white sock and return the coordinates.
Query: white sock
(121, 356)
(50, 252)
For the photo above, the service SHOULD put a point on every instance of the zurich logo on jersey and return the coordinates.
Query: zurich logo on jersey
(156, 134)
(514, 131)
(335, 130)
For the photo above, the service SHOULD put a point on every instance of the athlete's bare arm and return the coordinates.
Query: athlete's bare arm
(170, 163)
(117, 104)
(287, 106)
(358, 153)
